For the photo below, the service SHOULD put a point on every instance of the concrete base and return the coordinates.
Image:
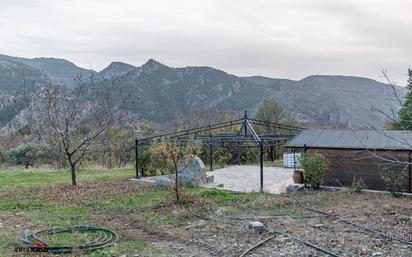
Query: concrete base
(256, 226)
(210, 179)
(246, 178)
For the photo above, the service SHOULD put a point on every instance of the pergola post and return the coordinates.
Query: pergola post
(294, 159)
(245, 124)
(137, 158)
(211, 156)
(238, 149)
(272, 156)
(261, 165)
(238, 152)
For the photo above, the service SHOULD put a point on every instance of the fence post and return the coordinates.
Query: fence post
(137, 158)
(261, 165)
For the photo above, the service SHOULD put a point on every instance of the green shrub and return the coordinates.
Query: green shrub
(2, 157)
(396, 181)
(314, 169)
(145, 162)
(223, 156)
(356, 187)
(155, 159)
(27, 155)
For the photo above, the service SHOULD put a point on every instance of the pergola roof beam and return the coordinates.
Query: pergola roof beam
(254, 134)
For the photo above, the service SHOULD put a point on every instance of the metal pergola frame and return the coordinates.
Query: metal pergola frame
(242, 138)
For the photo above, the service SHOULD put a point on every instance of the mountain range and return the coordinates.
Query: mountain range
(163, 93)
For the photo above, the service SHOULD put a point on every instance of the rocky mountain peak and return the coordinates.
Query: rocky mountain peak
(116, 69)
(152, 65)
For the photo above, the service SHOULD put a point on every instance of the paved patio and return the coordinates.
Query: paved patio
(246, 178)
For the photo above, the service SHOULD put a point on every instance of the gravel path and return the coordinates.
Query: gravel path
(245, 178)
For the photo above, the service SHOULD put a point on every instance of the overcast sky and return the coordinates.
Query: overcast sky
(275, 38)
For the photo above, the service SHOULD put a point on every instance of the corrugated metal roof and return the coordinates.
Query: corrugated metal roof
(355, 139)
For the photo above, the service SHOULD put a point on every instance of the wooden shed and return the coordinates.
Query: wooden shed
(360, 154)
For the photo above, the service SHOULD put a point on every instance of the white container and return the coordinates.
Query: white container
(291, 160)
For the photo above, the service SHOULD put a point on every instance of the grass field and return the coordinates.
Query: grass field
(23, 204)
(39, 199)
(207, 222)
(24, 178)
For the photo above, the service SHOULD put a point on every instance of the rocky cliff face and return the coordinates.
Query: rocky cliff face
(337, 101)
(160, 93)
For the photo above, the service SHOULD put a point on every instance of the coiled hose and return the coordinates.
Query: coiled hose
(103, 237)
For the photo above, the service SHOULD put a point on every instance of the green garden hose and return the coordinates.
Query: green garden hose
(103, 237)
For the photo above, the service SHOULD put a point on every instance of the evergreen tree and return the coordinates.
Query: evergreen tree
(405, 113)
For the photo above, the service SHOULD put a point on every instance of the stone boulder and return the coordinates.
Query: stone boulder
(294, 188)
(192, 171)
(164, 182)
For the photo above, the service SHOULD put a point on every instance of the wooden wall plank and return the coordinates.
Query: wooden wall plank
(347, 164)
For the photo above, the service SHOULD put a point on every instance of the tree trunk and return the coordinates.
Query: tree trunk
(110, 165)
(72, 169)
(73, 173)
(72, 165)
(177, 184)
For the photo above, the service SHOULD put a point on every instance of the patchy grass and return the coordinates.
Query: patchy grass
(141, 200)
(67, 239)
(127, 248)
(150, 223)
(13, 205)
(8, 245)
(61, 215)
(25, 178)
(222, 197)
(25, 201)
(47, 214)
(275, 163)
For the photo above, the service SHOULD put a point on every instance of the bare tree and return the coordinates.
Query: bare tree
(70, 120)
(399, 113)
(176, 157)
(394, 108)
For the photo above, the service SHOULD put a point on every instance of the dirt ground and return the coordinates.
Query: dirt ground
(215, 224)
